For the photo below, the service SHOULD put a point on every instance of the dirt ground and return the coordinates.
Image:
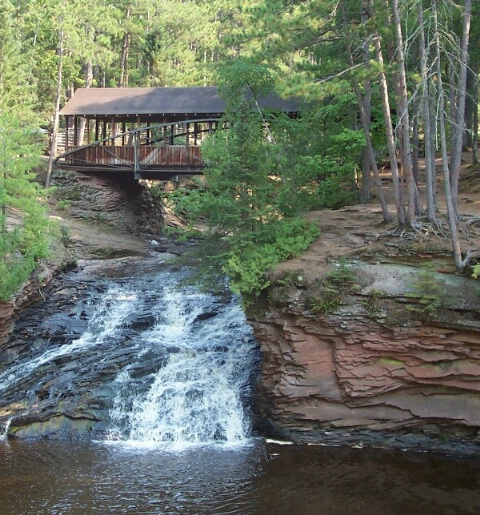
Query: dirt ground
(90, 240)
(358, 230)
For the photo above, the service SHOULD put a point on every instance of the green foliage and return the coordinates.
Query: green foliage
(342, 275)
(251, 198)
(182, 234)
(252, 256)
(12, 274)
(325, 302)
(243, 81)
(247, 257)
(63, 204)
(337, 283)
(428, 290)
(476, 272)
(24, 228)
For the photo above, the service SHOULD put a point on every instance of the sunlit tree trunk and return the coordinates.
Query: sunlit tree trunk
(404, 118)
(88, 84)
(459, 122)
(56, 117)
(429, 141)
(124, 55)
(451, 214)
(364, 106)
(475, 120)
(367, 166)
(401, 215)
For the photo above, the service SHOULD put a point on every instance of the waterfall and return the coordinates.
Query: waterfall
(3, 434)
(157, 363)
(107, 320)
(206, 352)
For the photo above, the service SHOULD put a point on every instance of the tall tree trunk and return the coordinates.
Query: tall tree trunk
(367, 104)
(365, 185)
(428, 136)
(124, 55)
(56, 116)
(371, 155)
(124, 61)
(401, 216)
(451, 213)
(88, 84)
(469, 107)
(459, 122)
(416, 152)
(416, 138)
(364, 107)
(406, 148)
(475, 119)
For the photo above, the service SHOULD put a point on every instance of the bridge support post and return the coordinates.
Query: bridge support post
(136, 164)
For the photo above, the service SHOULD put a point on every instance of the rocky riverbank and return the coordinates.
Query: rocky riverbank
(362, 342)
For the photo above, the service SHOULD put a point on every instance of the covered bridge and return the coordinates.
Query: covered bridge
(149, 132)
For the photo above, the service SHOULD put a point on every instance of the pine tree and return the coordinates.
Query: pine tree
(24, 228)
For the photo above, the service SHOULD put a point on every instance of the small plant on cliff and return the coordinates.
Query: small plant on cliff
(62, 205)
(429, 292)
(327, 300)
(331, 290)
(372, 303)
(342, 276)
(65, 234)
(291, 278)
(476, 271)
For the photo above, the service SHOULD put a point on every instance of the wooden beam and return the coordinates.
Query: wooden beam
(113, 130)
(67, 123)
(75, 131)
(88, 131)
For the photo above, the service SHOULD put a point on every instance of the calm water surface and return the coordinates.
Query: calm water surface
(255, 479)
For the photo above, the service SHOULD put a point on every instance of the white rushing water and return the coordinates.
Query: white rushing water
(4, 433)
(163, 365)
(195, 397)
(106, 321)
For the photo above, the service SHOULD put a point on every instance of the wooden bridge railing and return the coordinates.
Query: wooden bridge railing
(147, 148)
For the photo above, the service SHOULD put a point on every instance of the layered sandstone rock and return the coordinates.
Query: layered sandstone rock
(372, 367)
(30, 292)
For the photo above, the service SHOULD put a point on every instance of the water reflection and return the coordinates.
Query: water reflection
(257, 479)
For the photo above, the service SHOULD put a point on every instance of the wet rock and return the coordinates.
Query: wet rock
(147, 367)
(141, 321)
(205, 316)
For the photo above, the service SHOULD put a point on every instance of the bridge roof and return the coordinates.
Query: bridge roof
(129, 102)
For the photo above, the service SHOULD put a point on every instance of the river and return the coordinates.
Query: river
(257, 478)
(153, 390)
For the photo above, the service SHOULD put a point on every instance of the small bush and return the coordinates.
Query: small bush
(63, 204)
(428, 291)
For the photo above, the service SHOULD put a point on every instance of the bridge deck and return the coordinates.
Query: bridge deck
(146, 162)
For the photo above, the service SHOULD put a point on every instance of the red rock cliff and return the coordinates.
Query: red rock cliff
(372, 363)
